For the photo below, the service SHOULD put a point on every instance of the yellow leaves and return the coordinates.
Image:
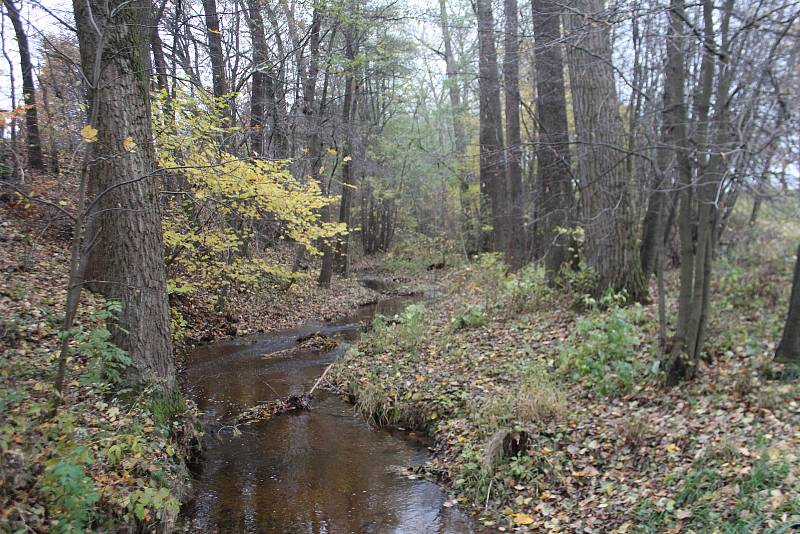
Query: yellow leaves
(672, 448)
(221, 184)
(129, 144)
(523, 519)
(332, 152)
(89, 134)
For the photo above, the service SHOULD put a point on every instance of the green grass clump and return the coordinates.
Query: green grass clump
(603, 349)
(470, 316)
(405, 331)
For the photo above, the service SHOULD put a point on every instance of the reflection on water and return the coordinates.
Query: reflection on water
(319, 471)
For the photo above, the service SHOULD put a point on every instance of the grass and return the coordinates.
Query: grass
(756, 501)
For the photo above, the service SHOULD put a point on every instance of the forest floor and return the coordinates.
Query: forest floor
(105, 459)
(546, 418)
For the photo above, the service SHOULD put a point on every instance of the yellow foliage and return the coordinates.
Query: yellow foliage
(210, 221)
(89, 133)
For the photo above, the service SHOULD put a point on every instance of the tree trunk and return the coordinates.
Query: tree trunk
(33, 140)
(515, 246)
(342, 254)
(554, 174)
(219, 80)
(789, 347)
(492, 154)
(611, 249)
(124, 246)
(260, 79)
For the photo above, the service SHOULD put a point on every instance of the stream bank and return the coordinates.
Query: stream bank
(318, 470)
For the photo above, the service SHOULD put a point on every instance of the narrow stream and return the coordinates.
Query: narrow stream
(318, 471)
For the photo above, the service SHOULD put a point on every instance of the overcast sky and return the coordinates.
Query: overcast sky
(36, 18)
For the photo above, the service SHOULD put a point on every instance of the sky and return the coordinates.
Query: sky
(36, 19)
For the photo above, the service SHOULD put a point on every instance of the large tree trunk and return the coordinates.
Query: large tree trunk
(124, 256)
(515, 246)
(33, 140)
(492, 153)
(554, 174)
(611, 247)
(789, 347)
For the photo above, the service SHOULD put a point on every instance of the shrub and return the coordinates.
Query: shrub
(580, 283)
(471, 316)
(603, 350)
(526, 289)
(70, 491)
(105, 361)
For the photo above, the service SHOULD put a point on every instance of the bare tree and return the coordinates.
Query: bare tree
(33, 140)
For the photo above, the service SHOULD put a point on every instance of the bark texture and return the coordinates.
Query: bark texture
(554, 175)
(611, 247)
(492, 151)
(515, 245)
(124, 246)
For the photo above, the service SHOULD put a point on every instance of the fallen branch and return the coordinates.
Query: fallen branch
(320, 379)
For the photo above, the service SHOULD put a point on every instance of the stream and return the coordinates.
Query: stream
(323, 470)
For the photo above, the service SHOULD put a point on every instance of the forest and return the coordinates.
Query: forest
(381, 266)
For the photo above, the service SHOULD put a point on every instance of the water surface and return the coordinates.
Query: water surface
(318, 471)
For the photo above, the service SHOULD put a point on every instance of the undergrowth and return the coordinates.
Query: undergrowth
(109, 457)
(546, 404)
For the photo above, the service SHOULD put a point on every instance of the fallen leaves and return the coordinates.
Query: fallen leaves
(608, 460)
